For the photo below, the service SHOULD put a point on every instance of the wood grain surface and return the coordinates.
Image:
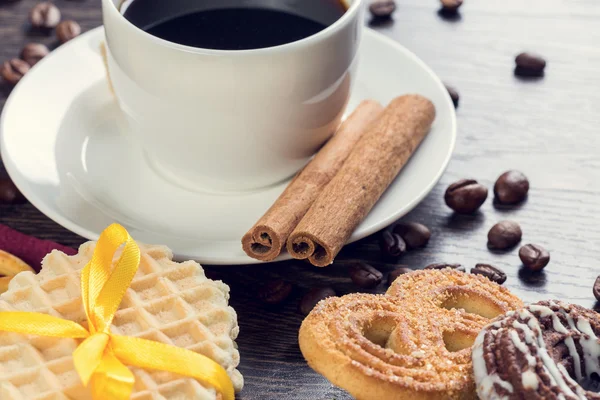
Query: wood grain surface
(548, 128)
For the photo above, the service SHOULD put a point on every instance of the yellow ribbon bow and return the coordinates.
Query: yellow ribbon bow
(100, 359)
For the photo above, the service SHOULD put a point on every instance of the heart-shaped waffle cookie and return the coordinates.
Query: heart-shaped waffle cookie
(414, 342)
(168, 302)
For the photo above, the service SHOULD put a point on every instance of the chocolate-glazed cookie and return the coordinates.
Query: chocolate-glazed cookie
(546, 350)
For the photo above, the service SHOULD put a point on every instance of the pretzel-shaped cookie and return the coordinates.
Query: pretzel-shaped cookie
(414, 342)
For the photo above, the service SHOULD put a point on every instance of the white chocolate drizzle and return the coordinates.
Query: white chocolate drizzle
(528, 327)
(485, 387)
(590, 346)
(530, 380)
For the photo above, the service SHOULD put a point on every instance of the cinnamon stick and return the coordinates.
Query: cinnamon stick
(268, 236)
(371, 167)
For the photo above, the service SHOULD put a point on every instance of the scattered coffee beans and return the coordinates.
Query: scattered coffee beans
(492, 273)
(396, 273)
(597, 288)
(451, 5)
(534, 257)
(365, 276)
(511, 187)
(34, 52)
(67, 30)
(9, 194)
(453, 95)
(310, 299)
(457, 267)
(530, 65)
(44, 16)
(275, 292)
(13, 70)
(415, 235)
(382, 8)
(391, 244)
(504, 235)
(465, 196)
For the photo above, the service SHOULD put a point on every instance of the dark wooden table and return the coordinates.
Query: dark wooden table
(548, 128)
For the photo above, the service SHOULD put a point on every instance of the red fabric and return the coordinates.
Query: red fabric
(28, 248)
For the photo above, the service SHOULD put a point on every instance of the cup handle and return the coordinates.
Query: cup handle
(122, 122)
(105, 60)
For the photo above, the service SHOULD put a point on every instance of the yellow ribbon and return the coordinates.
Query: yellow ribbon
(100, 359)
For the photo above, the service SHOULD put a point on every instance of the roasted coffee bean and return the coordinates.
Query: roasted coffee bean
(365, 276)
(382, 8)
(492, 273)
(415, 235)
(453, 95)
(534, 257)
(396, 273)
(44, 16)
(529, 64)
(67, 30)
(13, 70)
(391, 244)
(310, 299)
(465, 196)
(275, 291)
(511, 187)
(597, 288)
(457, 267)
(9, 194)
(34, 52)
(504, 235)
(451, 5)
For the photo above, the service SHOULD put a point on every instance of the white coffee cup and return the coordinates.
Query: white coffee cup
(230, 121)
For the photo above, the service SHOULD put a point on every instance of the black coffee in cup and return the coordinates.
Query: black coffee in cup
(233, 24)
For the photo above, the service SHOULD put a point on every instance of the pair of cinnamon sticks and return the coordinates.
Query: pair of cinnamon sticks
(325, 202)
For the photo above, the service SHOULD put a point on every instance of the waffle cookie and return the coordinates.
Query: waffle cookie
(168, 302)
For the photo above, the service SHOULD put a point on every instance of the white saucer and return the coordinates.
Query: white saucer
(62, 144)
